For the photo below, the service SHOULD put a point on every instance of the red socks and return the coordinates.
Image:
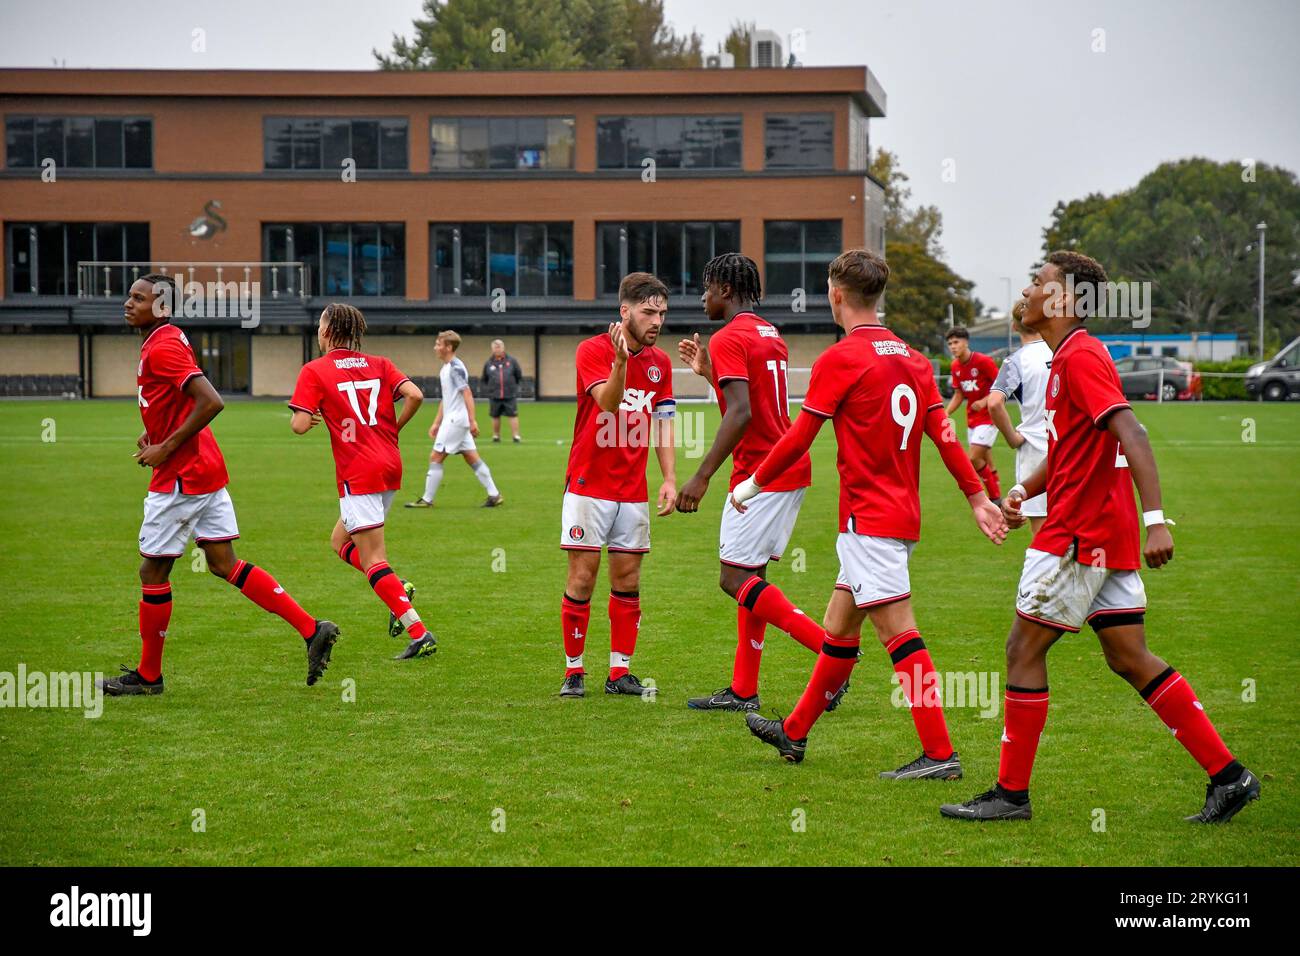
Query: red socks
(624, 624)
(351, 556)
(262, 589)
(917, 677)
(1025, 714)
(750, 629)
(391, 592)
(834, 663)
(989, 475)
(575, 616)
(768, 603)
(1174, 702)
(155, 613)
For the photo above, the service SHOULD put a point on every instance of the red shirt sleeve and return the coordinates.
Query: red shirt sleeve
(593, 366)
(393, 378)
(727, 353)
(173, 361)
(829, 382)
(307, 394)
(1094, 385)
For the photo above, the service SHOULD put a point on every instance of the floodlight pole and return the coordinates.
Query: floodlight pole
(1261, 227)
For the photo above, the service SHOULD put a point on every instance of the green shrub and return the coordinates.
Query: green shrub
(1214, 388)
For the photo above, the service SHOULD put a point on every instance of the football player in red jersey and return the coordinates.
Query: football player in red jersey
(747, 364)
(187, 493)
(881, 395)
(1083, 563)
(625, 404)
(356, 395)
(973, 374)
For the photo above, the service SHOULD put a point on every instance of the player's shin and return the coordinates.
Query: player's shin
(920, 683)
(624, 623)
(989, 475)
(389, 587)
(432, 480)
(263, 590)
(484, 476)
(155, 615)
(751, 630)
(767, 603)
(1025, 715)
(575, 616)
(834, 664)
(1175, 703)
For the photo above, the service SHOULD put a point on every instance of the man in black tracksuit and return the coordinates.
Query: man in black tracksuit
(501, 378)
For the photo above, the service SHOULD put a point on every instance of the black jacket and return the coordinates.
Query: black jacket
(501, 377)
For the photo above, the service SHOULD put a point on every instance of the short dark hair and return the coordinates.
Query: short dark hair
(171, 299)
(638, 287)
(957, 332)
(1086, 271)
(739, 272)
(344, 325)
(861, 275)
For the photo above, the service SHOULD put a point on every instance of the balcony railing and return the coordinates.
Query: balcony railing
(108, 279)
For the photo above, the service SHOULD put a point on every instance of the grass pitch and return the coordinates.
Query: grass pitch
(469, 757)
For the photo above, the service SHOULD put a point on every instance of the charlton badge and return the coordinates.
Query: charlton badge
(653, 373)
(1056, 385)
(576, 533)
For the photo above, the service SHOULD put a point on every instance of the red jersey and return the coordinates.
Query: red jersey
(1089, 488)
(356, 395)
(973, 378)
(609, 452)
(166, 366)
(877, 391)
(748, 349)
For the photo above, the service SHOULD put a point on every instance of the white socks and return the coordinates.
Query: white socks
(432, 480)
(484, 476)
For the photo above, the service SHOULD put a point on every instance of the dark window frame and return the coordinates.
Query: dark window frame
(803, 224)
(544, 159)
(125, 120)
(316, 277)
(655, 149)
(381, 157)
(68, 268)
(820, 115)
(681, 226)
(457, 229)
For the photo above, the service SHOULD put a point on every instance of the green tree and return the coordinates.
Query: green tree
(922, 225)
(738, 40)
(542, 35)
(916, 302)
(1188, 228)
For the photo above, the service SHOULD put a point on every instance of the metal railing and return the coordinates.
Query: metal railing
(105, 279)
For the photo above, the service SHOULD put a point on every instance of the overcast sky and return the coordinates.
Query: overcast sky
(1010, 90)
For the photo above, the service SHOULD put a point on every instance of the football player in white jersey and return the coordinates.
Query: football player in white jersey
(454, 427)
(1023, 376)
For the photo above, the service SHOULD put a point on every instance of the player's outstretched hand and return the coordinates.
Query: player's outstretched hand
(667, 498)
(1160, 546)
(688, 499)
(989, 517)
(616, 336)
(1011, 509)
(694, 354)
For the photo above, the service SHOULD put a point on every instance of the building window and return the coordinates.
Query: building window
(799, 141)
(79, 142)
(501, 142)
(314, 142)
(673, 142)
(797, 254)
(526, 258)
(676, 252)
(68, 258)
(340, 258)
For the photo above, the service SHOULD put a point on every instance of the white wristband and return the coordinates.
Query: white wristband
(745, 490)
(1152, 517)
(1017, 489)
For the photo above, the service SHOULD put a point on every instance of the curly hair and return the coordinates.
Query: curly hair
(739, 272)
(344, 325)
(1086, 273)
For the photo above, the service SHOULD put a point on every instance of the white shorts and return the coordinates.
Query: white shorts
(454, 438)
(873, 570)
(1058, 591)
(985, 435)
(589, 524)
(361, 512)
(1028, 459)
(171, 517)
(760, 535)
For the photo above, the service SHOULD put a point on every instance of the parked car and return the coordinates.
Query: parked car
(1141, 377)
(1278, 378)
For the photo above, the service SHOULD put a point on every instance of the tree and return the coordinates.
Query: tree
(917, 298)
(542, 35)
(1188, 228)
(738, 42)
(922, 225)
